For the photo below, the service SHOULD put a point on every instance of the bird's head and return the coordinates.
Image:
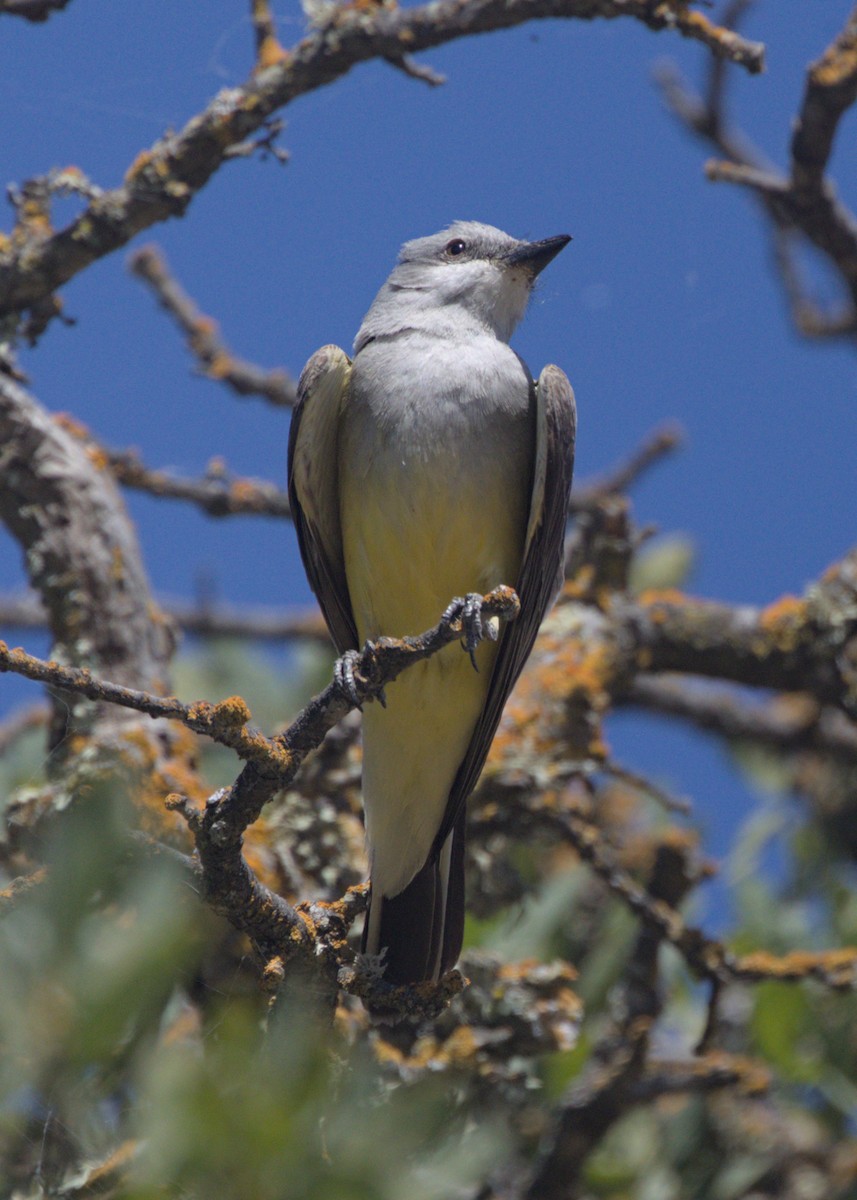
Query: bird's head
(469, 273)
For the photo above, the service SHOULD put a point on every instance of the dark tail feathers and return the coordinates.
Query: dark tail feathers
(423, 926)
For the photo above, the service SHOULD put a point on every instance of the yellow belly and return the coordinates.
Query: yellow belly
(413, 539)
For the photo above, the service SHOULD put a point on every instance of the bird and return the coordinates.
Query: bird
(427, 467)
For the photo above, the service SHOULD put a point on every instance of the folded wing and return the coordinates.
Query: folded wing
(313, 476)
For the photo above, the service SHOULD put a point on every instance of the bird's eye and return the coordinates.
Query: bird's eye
(455, 247)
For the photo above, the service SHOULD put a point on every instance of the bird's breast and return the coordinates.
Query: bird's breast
(436, 457)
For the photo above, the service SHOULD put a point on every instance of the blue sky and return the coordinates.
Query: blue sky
(664, 306)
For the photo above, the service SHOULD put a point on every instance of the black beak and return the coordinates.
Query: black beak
(535, 256)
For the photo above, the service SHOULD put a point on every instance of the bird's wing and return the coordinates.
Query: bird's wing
(314, 487)
(541, 573)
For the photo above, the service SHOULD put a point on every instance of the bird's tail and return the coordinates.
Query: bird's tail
(422, 928)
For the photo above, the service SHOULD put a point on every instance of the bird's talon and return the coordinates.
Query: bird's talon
(452, 611)
(343, 673)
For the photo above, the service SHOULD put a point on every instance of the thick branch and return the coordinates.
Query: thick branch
(831, 89)
(80, 547)
(794, 645)
(162, 181)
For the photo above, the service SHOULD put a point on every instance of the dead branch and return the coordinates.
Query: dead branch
(660, 443)
(792, 645)
(608, 1087)
(791, 723)
(802, 207)
(163, 180)
(31, 10)
(81, 549)
(203, 336)
(522, 808)
(218, 493)
(201, 619)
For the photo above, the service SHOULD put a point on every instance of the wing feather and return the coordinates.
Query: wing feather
(313, 476)
(541, 573)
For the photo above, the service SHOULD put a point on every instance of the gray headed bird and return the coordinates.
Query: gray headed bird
(431, 466)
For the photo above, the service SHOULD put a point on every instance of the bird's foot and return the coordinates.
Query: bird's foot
(468, 610)
(344, 675)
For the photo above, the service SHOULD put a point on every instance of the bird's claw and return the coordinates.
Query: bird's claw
(343, 674)
(468, 610)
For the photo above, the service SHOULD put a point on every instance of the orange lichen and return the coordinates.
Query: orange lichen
(71, 425)
(260, 857)
(783, 622)
(245, 492)
(461, 1046)
(517, 971)
(23, 883)
(219, 366)
(117, 565)
(231, 711)
(157, 774)
(799, 963)
(139, 164)
(97, 457)
(105, 1171)
(657, 599)
(580, 586)
(270, 53)
(838, 64)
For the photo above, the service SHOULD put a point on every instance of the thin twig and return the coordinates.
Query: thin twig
(642, 783)
(203, 336)
(201, 619)
(801, 206)
(218, 494)
(32, 10)
(657, 445)
(415, 70)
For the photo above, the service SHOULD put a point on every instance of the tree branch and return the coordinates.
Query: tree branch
(805, 201)
(203, 336)
(202, 619)
(31, 10)
(789, 723)
(81, 551)
(163, 180)
(218, 494)
(278, 758)
(659, 444)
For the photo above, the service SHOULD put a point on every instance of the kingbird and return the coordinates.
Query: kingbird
(431, 466)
